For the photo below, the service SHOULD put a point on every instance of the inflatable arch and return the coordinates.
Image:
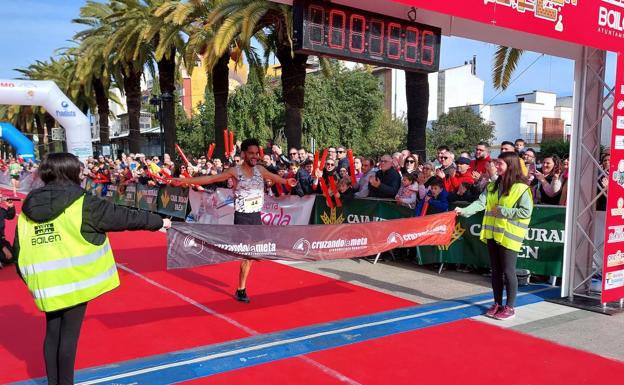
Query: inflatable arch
(46, 93)
(23, 146)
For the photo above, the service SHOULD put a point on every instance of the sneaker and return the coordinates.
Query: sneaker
(241, 295)
(508, 312)
(495, 308)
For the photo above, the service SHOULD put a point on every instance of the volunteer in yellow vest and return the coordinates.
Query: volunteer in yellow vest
(508, 205)
(64, 255)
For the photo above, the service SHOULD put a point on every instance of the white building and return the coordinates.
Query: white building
(448, 88)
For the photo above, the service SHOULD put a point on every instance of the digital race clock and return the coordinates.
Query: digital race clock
(323, 28)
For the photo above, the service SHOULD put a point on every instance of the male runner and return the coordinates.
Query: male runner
(248, 196)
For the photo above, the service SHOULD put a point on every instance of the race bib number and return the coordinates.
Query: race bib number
(252, 203)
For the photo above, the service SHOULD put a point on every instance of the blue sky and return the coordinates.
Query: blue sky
(32, 30)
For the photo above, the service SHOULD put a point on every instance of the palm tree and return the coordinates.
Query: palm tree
(241, 20)
(196, 16)
(94, 67)
(506, 61)
(129, 55)
(140, 27)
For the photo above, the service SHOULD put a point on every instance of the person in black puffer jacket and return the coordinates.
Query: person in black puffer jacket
(64, 257)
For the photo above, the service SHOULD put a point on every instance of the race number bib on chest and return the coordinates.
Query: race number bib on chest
(252, 203)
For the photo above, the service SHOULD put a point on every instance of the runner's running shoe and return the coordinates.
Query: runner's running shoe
(241, 295)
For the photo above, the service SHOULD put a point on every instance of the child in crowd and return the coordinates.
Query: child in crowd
(344, 188)
(436, 200)
(407, 193)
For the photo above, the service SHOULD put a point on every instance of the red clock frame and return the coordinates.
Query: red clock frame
(323, 28)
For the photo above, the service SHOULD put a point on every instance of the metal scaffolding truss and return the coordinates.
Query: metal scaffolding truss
(583, 249)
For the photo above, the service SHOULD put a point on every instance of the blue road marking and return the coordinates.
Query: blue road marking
(175, 367)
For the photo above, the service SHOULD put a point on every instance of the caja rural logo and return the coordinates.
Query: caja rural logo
(551, 10)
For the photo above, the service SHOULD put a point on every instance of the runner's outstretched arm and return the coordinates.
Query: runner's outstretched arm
(206, 179)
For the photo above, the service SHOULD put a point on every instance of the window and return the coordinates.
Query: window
(530, 133)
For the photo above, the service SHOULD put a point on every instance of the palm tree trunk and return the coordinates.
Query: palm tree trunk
(417, 95)
(132, 88)
(293, 91)
(166, 76)
(220, 89)
(103, 111)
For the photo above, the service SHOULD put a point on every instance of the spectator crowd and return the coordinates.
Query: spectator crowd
(427, 186)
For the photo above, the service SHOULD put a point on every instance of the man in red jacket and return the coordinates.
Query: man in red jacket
(482, 158)
(457, 177)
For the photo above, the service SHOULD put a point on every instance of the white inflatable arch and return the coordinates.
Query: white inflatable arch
(46, 93)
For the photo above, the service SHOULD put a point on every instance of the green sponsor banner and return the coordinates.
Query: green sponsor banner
(542, 252)
(172, 201)
(127, 195)
(147, 197)
(358, 211)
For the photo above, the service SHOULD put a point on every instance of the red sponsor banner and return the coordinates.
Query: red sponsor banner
(613, 261)
(192, 245)
(595, 23)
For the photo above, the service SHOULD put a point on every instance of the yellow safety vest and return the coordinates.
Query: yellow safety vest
(508, 232)
(60, 267)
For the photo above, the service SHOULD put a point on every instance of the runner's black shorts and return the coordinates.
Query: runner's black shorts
(247, 218)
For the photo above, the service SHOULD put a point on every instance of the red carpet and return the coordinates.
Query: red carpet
(465, 352)
(139, 319)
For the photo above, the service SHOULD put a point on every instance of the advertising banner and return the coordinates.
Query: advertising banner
(613, 261)
(127, 195)
(110, 193)
(594, 23)
(542, 252)
(217, 207)
(147, 197)
(192, 245)
(172, 201)
(358, 211)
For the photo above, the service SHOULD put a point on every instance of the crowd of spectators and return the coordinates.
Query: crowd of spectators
(401, 176)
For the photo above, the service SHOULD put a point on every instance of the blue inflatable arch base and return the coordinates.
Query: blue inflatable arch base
(23, 146)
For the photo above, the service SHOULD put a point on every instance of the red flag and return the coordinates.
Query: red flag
(181, 153)
(326, 193)
(225, 142)
(332, 184)
(261, 152)
(232, 148)
(211, 150)
(351, 166)
(323, 159)
(316, 160)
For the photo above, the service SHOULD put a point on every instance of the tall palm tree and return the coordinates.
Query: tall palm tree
(129, 55)
(94, 67)
(244, 19)
(196, 16)
(139, 26)
(506, 61)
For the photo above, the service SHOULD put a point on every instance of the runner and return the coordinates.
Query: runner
(248, 196)
(14, 172)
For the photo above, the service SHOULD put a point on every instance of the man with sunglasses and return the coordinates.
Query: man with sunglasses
(293, 155)
(343, 161)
